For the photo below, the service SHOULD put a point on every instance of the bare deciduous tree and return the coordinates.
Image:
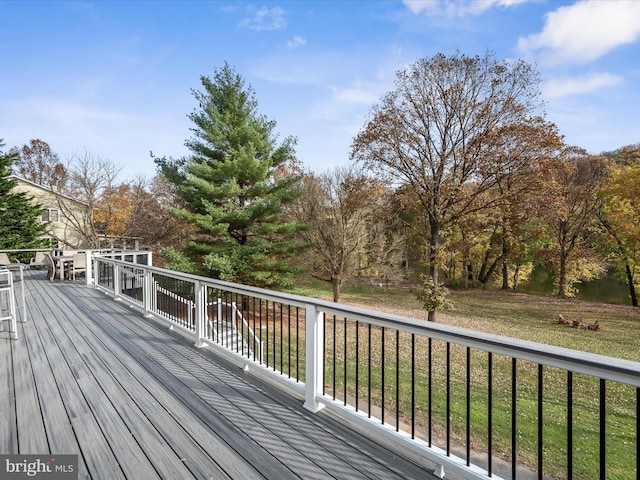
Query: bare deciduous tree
(438, 132)
(88, 177)
(345, 212)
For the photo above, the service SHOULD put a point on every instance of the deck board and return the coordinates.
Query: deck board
(136, 400)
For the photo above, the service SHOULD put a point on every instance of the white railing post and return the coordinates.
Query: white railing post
(88, 265)
(147, 293)
(201, 312)
(314, 370)
(95, 268)
(116, 281)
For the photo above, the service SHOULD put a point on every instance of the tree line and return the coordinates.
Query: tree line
(456, 179)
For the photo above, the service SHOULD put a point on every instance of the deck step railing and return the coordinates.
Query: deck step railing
(475, 404)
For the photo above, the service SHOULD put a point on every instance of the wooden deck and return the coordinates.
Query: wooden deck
(89, 376)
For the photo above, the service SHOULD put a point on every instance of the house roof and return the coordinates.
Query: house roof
(47, 189)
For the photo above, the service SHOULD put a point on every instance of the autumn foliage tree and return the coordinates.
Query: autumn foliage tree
(569, 205)
(140, 212)
(620, 217)
(440, 132)
(37, 162)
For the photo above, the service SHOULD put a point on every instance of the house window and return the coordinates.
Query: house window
(51, 215)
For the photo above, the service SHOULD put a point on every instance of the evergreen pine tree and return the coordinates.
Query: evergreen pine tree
(230, 189)
(20, 225)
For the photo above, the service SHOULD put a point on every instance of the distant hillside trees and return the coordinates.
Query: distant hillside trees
(229, 190)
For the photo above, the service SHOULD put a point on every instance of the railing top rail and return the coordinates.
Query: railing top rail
(11, 250)
(601, 366)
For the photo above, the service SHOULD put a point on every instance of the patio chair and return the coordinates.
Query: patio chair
(38, 261)
(79, 264)
(51, 266)
(6, 261)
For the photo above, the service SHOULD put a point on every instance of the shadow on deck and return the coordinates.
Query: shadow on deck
(89, 376)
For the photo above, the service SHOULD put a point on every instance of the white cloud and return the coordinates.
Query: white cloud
(562, 87)
(265, 19)
(585, 31)
(296, 41)
(456, 8)
(347, 101)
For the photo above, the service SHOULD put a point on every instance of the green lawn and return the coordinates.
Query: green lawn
(533, 318)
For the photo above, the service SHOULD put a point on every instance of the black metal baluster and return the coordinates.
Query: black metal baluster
(569, 425)
(514, 419)
(262, 352)
(334, 357)
(266, 328)
(490, 415)
(369, 374)
(275, 343)
(448, 408)
(344, 370)
(540, 422)
(429, 395)
(289, 339)
(637, 433)
(468, 409)
(603, 429)
(413, 385)
(357, 363)
(253, 322)
(397, 380)
(324, 355)
(281, 339)
(382, 368)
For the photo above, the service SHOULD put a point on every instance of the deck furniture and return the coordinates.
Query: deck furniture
(79, 264)
(8, 310)
(38, 261)
(10, 263)
(51, 266)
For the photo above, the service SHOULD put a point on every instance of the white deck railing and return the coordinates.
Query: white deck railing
(433, 389)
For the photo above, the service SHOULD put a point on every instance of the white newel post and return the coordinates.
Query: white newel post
(88, 262)
(201, 312)
(314, 359)
(116, 281)
(147, 293)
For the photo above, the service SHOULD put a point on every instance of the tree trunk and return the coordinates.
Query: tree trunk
(516, 275)
(505, 269)
(336, 283)
(505, 275)
(632, 288)
(434, 241)
(487, 275)
(562, 276)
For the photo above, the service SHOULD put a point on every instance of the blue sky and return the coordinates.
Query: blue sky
(114, 78)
